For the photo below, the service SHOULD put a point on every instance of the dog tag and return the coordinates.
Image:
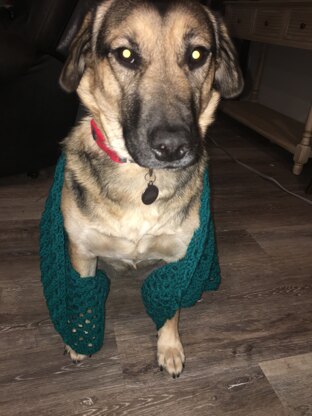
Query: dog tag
(150, 195)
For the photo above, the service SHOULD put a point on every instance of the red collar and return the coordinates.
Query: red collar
(101, 142)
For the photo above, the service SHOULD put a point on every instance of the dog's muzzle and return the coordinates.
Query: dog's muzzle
(164, 146)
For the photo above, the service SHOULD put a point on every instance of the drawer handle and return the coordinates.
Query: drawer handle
(303, 26)
(266, 23)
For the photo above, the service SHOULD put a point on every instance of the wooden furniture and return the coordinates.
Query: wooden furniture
(287, 23)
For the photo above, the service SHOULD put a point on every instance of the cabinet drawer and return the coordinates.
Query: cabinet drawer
(239, 20)
(300, 25)
(269, 23)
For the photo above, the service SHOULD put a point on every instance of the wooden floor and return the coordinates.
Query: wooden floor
(248, 346)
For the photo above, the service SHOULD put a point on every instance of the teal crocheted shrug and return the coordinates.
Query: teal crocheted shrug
(76, 305)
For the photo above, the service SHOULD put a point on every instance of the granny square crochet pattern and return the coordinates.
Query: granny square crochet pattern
(77, 305)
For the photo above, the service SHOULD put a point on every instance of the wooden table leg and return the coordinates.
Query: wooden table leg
(303, 150)
(254, 96)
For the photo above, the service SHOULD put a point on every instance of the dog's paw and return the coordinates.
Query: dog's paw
(171, 357)
(74, 356)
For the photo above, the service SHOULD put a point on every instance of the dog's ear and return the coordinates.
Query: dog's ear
(79, 53)
(228, 77)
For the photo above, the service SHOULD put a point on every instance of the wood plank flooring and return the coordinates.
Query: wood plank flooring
(291, 378)
(248, 346)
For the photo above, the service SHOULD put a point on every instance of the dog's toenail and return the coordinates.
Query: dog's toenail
(173, 376)
(90, 355)
(75, 362)
(161, 368)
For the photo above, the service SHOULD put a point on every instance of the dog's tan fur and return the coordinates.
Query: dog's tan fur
(110, 221)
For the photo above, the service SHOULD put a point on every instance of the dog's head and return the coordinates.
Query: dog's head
(152, 72)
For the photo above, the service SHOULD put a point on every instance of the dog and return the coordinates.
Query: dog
(151, 74)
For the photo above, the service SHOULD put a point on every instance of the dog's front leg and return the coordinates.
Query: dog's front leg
(86, 267)
(169, 348)
(83, 264)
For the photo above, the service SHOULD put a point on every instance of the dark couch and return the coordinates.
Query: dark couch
(35, 114)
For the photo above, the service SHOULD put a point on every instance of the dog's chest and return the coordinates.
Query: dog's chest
(138, 235)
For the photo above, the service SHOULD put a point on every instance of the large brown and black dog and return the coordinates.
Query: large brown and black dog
(151, 74)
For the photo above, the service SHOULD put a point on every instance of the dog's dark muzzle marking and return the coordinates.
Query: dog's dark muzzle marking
(164, 147)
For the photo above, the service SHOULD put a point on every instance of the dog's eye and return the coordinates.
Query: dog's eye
(127, 57)
(197, 57)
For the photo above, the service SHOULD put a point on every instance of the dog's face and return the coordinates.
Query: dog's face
(151, 72)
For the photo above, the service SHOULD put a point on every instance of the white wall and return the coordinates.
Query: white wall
(287, 79)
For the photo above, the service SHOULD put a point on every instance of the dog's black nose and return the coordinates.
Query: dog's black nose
(170, 144)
